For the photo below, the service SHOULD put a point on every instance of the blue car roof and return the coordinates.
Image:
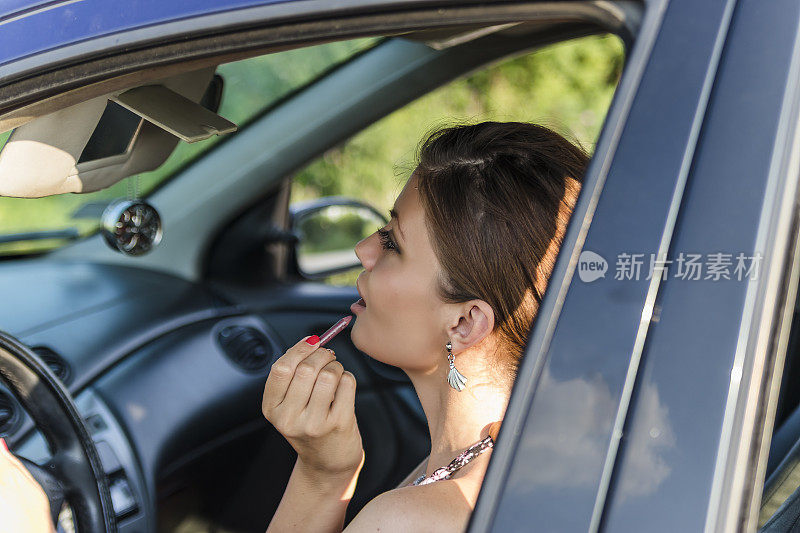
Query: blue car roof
(29, 27)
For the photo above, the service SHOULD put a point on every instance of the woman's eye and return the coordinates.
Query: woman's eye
(386, 240)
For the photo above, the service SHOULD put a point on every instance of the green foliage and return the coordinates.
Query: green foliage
(325, 232)
(343, 279)
(567, 87)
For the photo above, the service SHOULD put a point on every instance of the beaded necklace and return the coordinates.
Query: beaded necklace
(462, 459)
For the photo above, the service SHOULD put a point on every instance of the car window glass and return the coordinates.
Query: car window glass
(566, 86)
(782, 477)
(251, 87)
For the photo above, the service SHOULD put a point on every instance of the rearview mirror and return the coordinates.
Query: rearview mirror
(328, 230)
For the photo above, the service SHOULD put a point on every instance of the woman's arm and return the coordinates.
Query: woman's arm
(310, 399)
(314, 500)
(327, 495)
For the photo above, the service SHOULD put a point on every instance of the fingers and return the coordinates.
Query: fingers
(343, 407)
(9, 463)
(305, 375)
(319, 404)
(282, 372)
(308, 392)
(8, 459)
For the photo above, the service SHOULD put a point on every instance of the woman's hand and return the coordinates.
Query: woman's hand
(23, 504)
(310, 399)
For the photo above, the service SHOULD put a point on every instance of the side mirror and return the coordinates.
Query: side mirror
(328, 230)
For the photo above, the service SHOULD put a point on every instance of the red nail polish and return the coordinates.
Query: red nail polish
(5, 446)
(313, 339)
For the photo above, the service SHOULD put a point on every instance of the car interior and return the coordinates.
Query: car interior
(164, 339)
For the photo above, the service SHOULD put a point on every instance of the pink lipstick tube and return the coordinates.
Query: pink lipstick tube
(334, 330)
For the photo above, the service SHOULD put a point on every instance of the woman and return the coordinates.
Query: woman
(449, 291)
(456, 276)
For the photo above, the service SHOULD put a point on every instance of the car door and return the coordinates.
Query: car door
(645, 394)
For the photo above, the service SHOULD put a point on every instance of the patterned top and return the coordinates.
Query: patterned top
(462, 459)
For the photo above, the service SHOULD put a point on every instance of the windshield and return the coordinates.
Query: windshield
(251, 86)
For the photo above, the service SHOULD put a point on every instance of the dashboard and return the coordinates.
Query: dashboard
(166, 372)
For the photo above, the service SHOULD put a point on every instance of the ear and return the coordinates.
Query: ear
(471, 325)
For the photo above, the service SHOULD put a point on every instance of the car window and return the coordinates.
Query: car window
(251, 87)
(566, 86)
(782, 479)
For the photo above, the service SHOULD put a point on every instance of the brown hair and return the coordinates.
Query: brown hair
(497, 199)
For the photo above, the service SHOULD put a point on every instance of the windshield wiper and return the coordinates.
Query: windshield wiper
(70, 234)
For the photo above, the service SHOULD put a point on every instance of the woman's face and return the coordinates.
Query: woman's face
(404, 322)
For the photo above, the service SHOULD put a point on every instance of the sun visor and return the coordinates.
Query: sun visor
(94, 144)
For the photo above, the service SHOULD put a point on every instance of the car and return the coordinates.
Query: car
(657, 392)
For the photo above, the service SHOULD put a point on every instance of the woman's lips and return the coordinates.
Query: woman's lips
(357, 307)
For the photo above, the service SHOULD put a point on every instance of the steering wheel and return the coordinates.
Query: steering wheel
(74, 473)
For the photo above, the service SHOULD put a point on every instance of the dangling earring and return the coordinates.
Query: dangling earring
(455, 378)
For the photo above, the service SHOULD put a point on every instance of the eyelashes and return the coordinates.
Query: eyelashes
(386, 240)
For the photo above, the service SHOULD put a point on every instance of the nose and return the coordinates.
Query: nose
(367, 251)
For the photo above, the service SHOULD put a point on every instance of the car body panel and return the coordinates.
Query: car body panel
(58, 24)
(81, 29)
(672, 471)
(568, 434)
(699, 339)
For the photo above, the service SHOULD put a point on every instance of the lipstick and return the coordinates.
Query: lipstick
(334, 330)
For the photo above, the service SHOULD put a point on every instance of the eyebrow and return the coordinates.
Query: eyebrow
(393, 214)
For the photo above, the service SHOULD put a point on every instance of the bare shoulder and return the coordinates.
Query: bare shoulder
(440, 506)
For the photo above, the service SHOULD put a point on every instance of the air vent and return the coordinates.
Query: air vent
(9, 415)
(56, 363)
(246, 346)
